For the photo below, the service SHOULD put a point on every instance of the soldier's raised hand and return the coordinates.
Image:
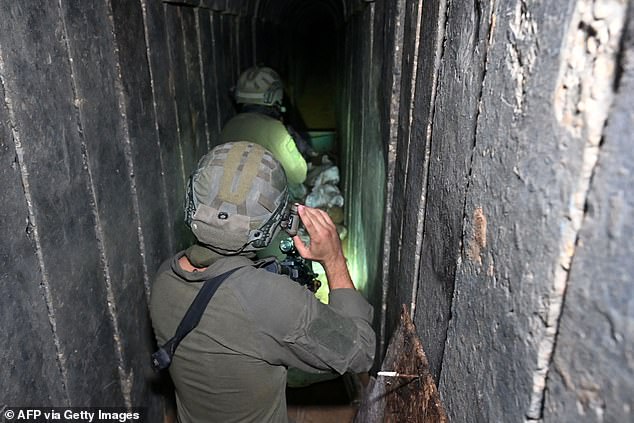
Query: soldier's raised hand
(325, 246)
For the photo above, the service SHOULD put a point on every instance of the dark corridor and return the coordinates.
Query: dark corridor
(486, 164)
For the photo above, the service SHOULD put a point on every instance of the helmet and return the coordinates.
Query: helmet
(260, 85)
(236, 198)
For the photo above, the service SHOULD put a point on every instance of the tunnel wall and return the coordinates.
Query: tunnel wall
(593, 366)
(510, 204)
(363, 168)
(503, 130)
(365, 80)
(106, 107)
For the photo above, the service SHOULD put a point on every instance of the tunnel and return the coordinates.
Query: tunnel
(485, 152)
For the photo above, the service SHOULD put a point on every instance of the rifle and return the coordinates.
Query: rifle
(297, 267)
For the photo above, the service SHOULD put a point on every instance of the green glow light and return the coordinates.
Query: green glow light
(322, 292)
(355, 251)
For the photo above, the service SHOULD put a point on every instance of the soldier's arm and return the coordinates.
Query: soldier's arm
(325, 247)
(293, 162)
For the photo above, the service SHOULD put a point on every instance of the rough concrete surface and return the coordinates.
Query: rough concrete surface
(526, 176)
(412, 394)
(388, 34)
(421, 116)
(45, 128)
(452, 139)
(163, 106)
(591, 375)
(517, 199)
(135, 101)
(209, 67)
(226, 79)
(184, 126)
(97, 109)
(403, 240)
(484, 149)
(363, 184)
(29, 351)
(193, 75)
(98, 136)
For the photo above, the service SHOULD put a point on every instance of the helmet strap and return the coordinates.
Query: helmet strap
(271, 111)
(225, 251)
(267, 230)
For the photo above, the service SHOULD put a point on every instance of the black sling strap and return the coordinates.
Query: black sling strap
(162, 358)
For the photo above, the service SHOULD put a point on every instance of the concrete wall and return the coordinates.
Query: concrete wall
(363, 120)
(593, 362)
(509, 204)
(486, 150)
(105, 108)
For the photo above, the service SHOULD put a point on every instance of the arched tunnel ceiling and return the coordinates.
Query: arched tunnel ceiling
(296, 10)
(279, 11)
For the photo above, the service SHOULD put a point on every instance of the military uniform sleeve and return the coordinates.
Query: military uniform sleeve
(298, 331)
(293, 162)
(337, 336)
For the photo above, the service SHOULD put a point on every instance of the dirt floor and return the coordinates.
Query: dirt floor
(321, 414)
(333, 401)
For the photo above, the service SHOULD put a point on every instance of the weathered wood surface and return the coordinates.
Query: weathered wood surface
(403, 399)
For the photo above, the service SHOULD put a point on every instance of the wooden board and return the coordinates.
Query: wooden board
(393, 399)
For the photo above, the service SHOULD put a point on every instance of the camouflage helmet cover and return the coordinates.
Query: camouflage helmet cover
(259, 85)
(236, 198)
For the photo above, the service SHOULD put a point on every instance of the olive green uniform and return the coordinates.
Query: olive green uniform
(232, 367)
(271, 134)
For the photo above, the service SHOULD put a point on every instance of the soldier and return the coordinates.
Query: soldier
(259, 94)
(232, 367)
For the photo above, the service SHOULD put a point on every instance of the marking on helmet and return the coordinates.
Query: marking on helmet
(222, 150)
(245, 177)
(268, 202)
(264, 175)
